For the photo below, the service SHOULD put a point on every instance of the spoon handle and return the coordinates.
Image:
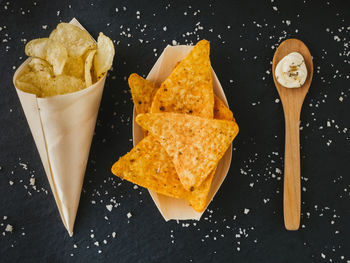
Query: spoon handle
(291, 198)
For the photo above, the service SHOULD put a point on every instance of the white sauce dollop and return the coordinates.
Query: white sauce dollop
(291, 71)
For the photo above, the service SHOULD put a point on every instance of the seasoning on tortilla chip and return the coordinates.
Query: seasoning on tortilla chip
(194, 144)
(142, 91)
(145, 166)
(221, 112)
(189, 88)
(148, 165)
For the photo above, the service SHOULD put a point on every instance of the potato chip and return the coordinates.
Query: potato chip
(38, 64)
(61, 84)
(49, 50)
(56, 55)
(32, 82)
(88, 65)
(104, 57)
(194, 144)
(74, 67)
(36, 48)
(142, 91)
(221, 112)
(76, 40)
(28, 87)
(189, 88)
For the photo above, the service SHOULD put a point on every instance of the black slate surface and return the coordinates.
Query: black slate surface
(244, 223)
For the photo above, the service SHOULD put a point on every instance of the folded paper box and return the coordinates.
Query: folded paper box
(172, 208)
(62, 127)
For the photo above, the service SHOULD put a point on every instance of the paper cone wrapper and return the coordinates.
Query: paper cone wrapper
(173, 208)
(62, 127)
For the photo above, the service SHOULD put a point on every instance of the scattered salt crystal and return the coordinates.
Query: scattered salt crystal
(32, 181)
(9, 228)
(96, 243)
(114, 234)
(128, 215)
(174, 42)
(109, 207)
(11, 183)
(246, 211)
(323, 255)
(165, 28)
(274, 8)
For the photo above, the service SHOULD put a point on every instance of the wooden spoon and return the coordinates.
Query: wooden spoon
(292, 101)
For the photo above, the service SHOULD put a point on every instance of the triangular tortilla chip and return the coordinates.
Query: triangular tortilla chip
(148, 165)
(142, 92)
(189, 88)
(221, 112)
(195, 144)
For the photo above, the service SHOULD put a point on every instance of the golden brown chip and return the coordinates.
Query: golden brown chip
(221, 112)
(52, 51)
(189, 88)
(76, 40)
(194, 144)
(32, 82)
(62, 84)
(104, 57)
(148, 165)
(74, 67)
(88, 65)
(142, 91)
(38, 64)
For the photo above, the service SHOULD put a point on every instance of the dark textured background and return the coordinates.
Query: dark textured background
(243, 36)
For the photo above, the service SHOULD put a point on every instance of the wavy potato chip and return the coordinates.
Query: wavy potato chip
(194, 144)
(74, 67)
(43, 84)
(88, 65)
(36, 48)
(62, 84)
(56, 55)
(28, 87)
(49, 50)
(38, 64)
(189, 88)
(104, 57)
(76, 40)
(32, 82)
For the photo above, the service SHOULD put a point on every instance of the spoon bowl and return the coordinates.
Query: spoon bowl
(292, 100)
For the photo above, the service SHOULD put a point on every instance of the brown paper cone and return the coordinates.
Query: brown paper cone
(172, 208)
(62, 127)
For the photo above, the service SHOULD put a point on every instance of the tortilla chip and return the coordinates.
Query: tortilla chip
(221, 112)
(148, 165)
(194, 144)
(189, 88)
(142, 91)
